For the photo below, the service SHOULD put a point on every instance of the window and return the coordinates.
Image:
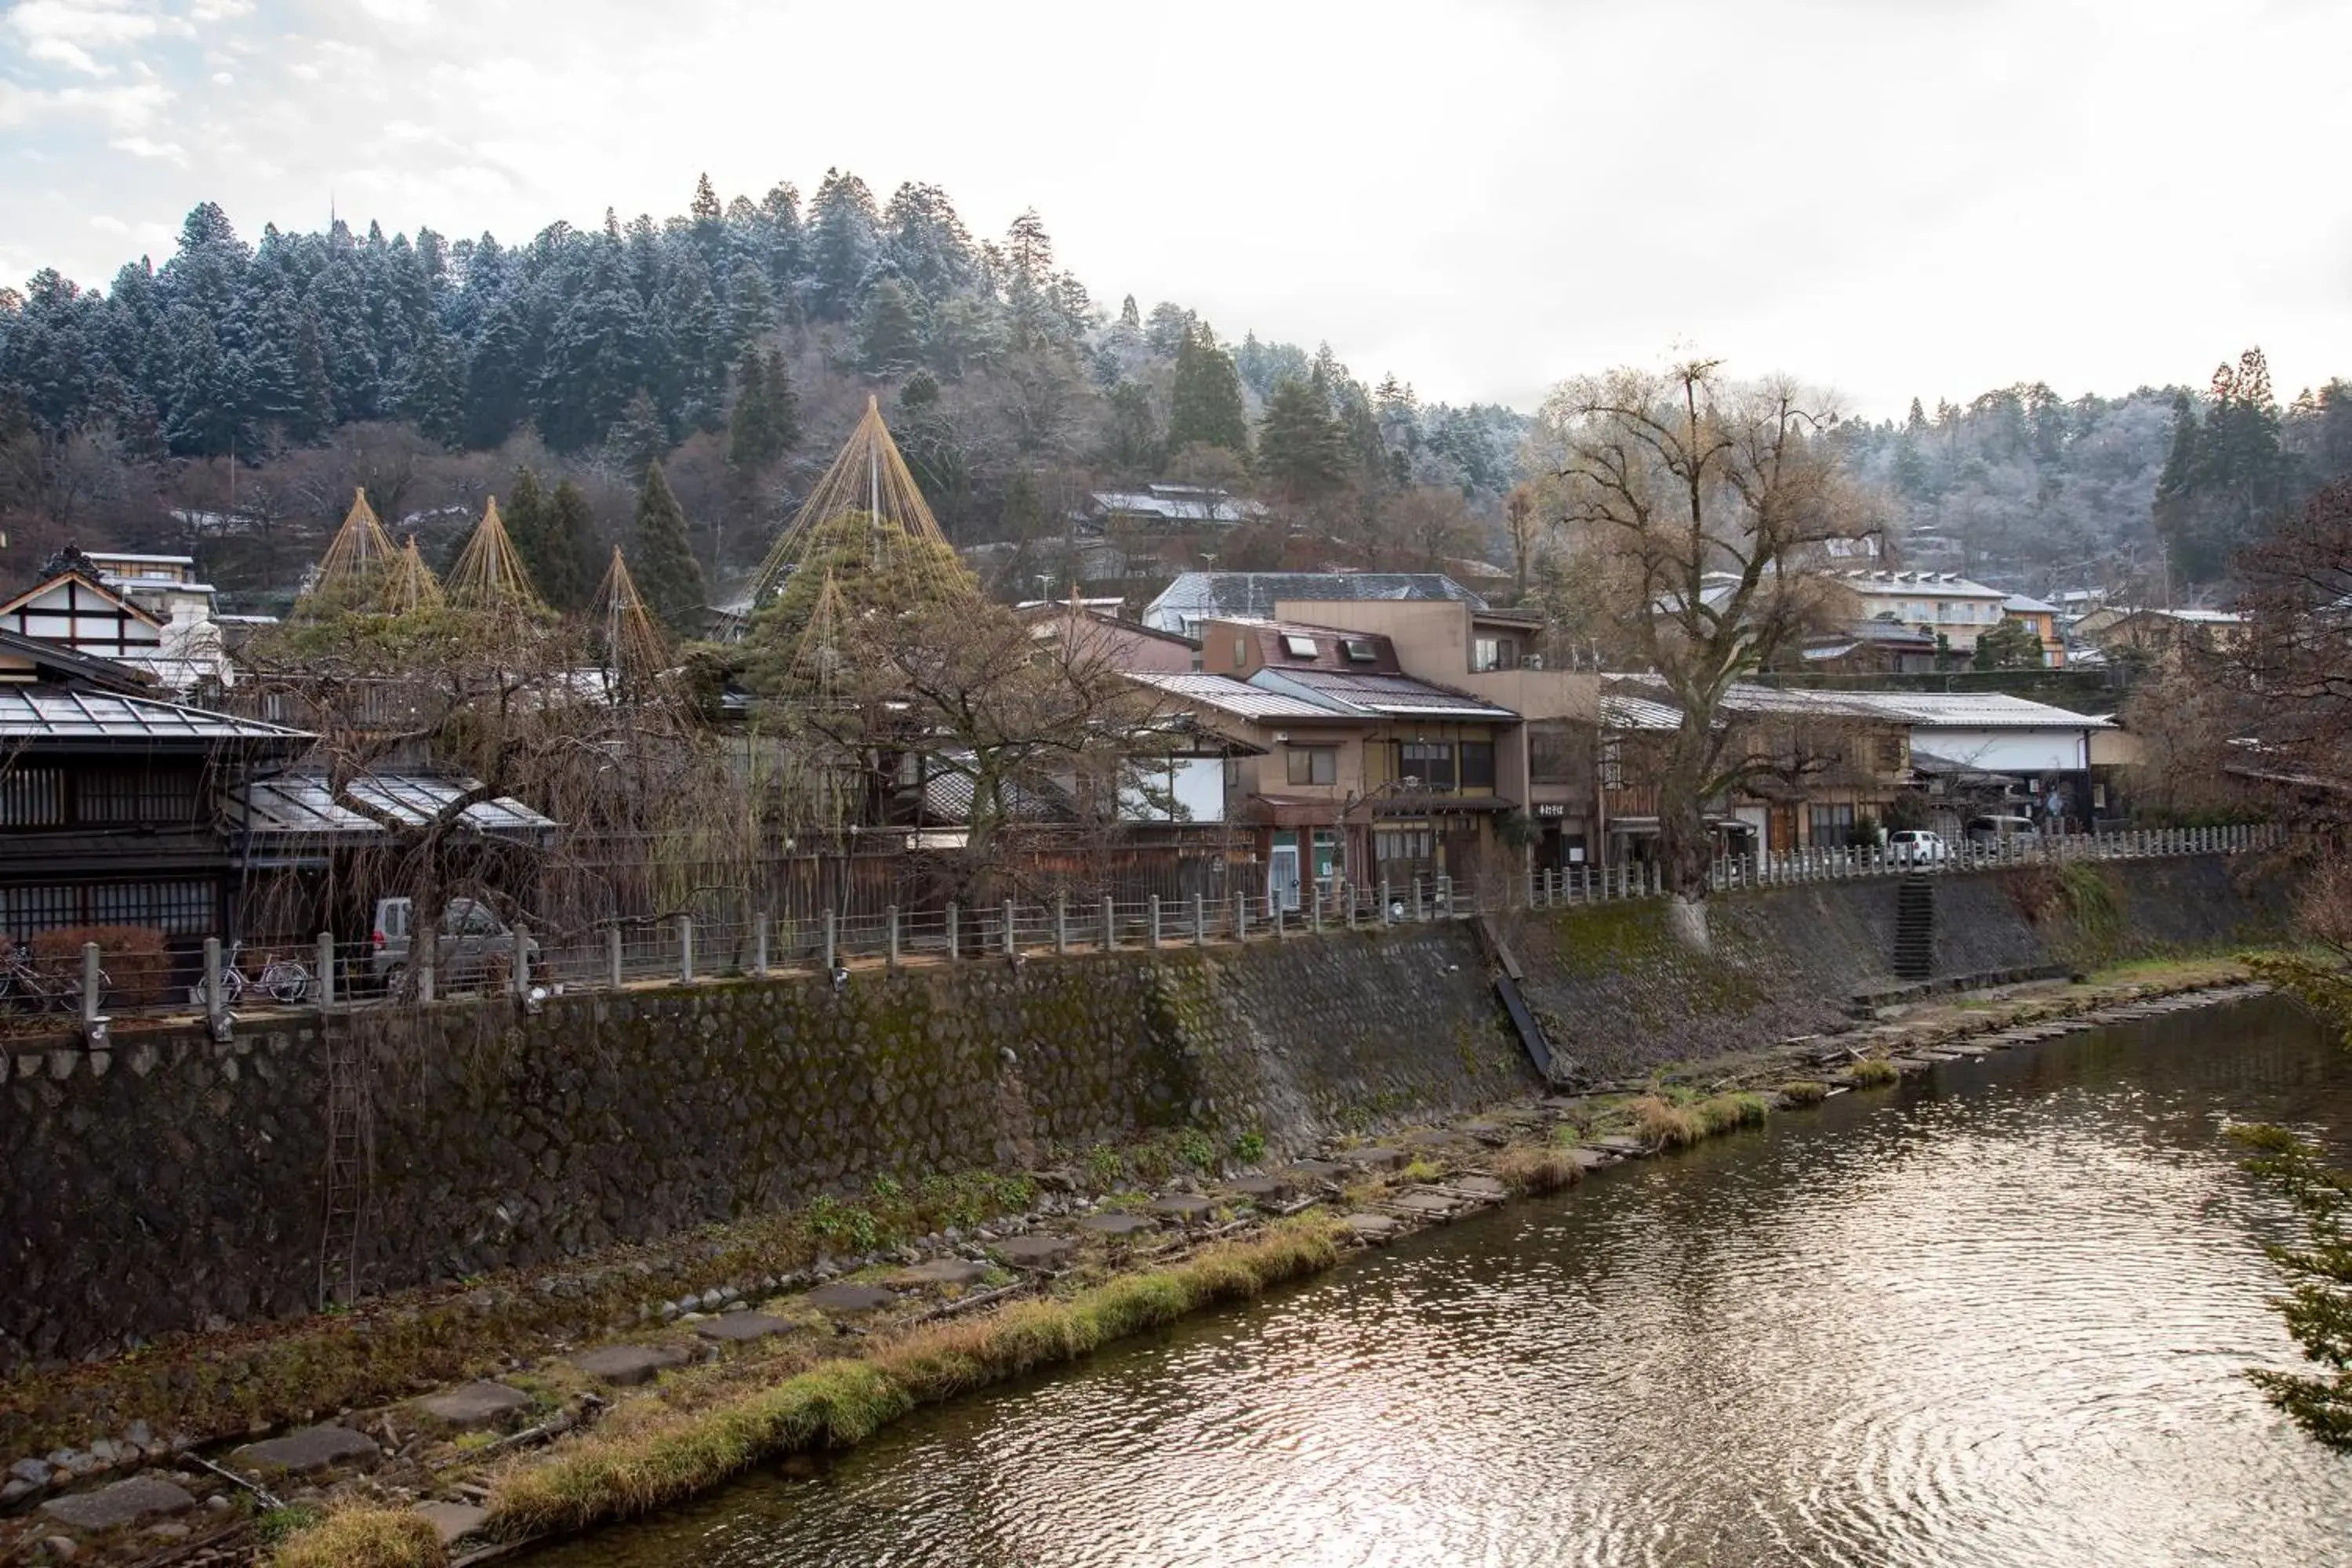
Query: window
(177, 909)
(1297, 647)
(1494, 653)
(1431, 761)
(1833, 826)
(1553, 754)
(1477, 765)
(135, 795)
(1314, 764)
(1391, 845)
(33, 797)
(1890, 754)
(1612, 764)
(1360, 650)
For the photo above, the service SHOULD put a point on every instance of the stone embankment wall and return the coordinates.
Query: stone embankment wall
(1620, 996)
(172, 1183)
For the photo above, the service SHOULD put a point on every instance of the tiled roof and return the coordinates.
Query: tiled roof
(55, 715)
(1619, 712)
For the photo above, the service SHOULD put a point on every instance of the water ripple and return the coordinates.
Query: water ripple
(1999, 1322)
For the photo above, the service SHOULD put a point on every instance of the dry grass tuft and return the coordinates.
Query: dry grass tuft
(1804, 1092)
(1726, 1113)
(1661, 1121)
(1532, 1168)
(670, 1455)
(366, 1538)
(1873, 1072)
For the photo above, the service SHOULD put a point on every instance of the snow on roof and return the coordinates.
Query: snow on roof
(2024, 605)
(1938, 584)
(1237, 697)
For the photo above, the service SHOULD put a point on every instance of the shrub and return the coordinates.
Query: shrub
(1529, 1168)
(1804, 1092)
(1250, 1147)
(1724, 1112)
(1873, 1072)
(1669, 1126)
(133, 957)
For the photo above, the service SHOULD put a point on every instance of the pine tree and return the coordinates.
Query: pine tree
(1206, 405)
(1300, 446)
(314, 393)
(433, 384)
(765, 423)
(572, 548)
(525, 510)
(668, 577)
(638, 439)
(843, 238)
(706, 201)
(889, 337)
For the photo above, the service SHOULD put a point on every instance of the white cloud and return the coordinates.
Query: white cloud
(105, 24)
(207, 11)
(61, 52)
(144, 147)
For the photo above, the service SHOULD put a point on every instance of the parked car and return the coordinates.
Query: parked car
(474, 942)
(1916, 846)
(1998, 830)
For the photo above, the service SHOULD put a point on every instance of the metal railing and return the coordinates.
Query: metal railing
(682, 951)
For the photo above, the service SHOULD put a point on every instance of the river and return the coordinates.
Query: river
(1998, 1317)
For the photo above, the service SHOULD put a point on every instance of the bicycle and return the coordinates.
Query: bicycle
(29, 987)
(285, 980)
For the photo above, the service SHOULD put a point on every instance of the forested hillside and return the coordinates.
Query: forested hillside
(230, 398)
(2145, 494)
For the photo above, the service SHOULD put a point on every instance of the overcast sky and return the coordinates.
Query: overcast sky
(1889, 196)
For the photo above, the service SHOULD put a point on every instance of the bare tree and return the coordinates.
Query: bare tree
(1684, 497)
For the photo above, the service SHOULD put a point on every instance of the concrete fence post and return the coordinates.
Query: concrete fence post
(890, 916)
(759, 945)
(326, 970)
(1385, 909)
(428, 972)
(1109, 924)
(1240, 917)
(1153, 940)
(1444, 895)
(1420, 911)
(1012, 931)
(93, 982)
(612, 957)
(955, 934)
(1199, 921)
(1315, 910)
(518, 961)
(1062, 921)
(1347, 903)
(215, 1003)
(831, 942)
(686, 950)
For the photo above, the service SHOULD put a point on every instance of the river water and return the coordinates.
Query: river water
(1996, 1318)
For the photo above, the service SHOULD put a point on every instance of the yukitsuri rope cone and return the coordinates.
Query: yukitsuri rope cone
(633, 649)
(868, 496)
(360, 550)
(490, 573)
(409, 586)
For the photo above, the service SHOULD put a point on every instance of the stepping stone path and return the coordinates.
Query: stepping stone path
(451, 1519)
(1593, 1159)
(312, 1448)
(1117, 1224)
(1187, 1207)
(941, 1271)
(1619, 1144)
(1480, 1186)
(476, 1405)
(123, 1502)
(841, 1297)
(1369, 1227)
(1264, 1189)
(626, 1366)
(740, 1328)
(1035, 1251)
(1437, 1206)
(1376, 1159)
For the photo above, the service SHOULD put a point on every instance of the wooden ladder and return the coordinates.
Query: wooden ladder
(347, 1163)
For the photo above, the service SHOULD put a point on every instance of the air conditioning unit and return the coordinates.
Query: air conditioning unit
(1533, 661)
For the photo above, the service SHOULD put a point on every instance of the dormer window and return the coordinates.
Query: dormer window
(1360, 651)
(1297, 646)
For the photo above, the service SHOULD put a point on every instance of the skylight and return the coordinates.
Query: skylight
(1297, 647)
(1360, 651)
